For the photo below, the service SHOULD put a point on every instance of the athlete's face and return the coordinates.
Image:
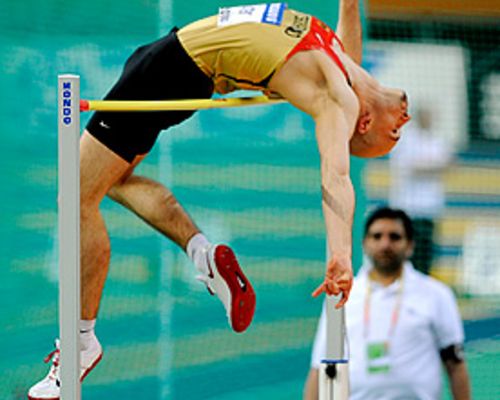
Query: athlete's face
(382, 128)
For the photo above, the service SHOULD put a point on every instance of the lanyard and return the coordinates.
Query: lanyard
(395, 310)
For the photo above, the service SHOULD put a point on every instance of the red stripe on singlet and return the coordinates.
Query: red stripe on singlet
(321, 37)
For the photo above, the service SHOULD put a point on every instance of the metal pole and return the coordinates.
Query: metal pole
(69, 234)
(333, 375)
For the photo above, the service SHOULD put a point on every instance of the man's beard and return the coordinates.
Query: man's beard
(388, 263)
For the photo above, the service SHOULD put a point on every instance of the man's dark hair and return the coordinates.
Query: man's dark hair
(391, 213)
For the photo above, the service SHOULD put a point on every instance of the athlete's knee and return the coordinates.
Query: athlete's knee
(88, 210)
(115, 193)
(90, 199)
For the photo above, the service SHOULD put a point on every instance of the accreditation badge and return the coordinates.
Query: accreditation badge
(377, 358)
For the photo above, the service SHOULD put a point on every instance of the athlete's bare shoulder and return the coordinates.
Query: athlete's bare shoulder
(309, 78)
(305, 63)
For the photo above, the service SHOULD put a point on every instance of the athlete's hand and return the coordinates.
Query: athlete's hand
(338, 279)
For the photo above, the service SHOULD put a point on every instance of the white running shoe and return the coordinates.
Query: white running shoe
(226, 279)
(49, 387)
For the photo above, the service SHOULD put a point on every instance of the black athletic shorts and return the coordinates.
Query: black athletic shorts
(161, 70)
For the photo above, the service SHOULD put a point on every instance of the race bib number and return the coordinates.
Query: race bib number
(261, 13)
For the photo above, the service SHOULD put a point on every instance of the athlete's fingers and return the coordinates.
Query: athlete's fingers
(320, 289)
(332, 288)
(343, 300)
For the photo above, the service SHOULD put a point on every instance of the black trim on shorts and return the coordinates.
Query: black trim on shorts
(161, 70)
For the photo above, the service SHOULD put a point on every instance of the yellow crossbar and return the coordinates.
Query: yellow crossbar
(175, 105)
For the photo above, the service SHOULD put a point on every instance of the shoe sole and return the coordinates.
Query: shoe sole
(87, 371)
(242, 293)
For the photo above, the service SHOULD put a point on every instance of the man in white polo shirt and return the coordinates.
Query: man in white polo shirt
(402, 325)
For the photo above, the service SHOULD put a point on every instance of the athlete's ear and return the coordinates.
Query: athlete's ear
(365, 122)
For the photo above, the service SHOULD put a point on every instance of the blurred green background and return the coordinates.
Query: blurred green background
(247, 176)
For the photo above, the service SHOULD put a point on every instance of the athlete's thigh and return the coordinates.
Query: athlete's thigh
(100, 169)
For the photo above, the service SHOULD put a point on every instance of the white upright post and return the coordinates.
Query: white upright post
(334, 373)
(69, 234)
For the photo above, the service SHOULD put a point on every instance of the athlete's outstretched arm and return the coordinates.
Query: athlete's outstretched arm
(332, 135)
(349, 29)
(312, 83)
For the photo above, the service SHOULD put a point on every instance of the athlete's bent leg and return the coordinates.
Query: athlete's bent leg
(217, 264)
(157, 206)
(100, 169)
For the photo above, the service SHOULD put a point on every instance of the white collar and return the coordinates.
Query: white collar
(408, 274)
